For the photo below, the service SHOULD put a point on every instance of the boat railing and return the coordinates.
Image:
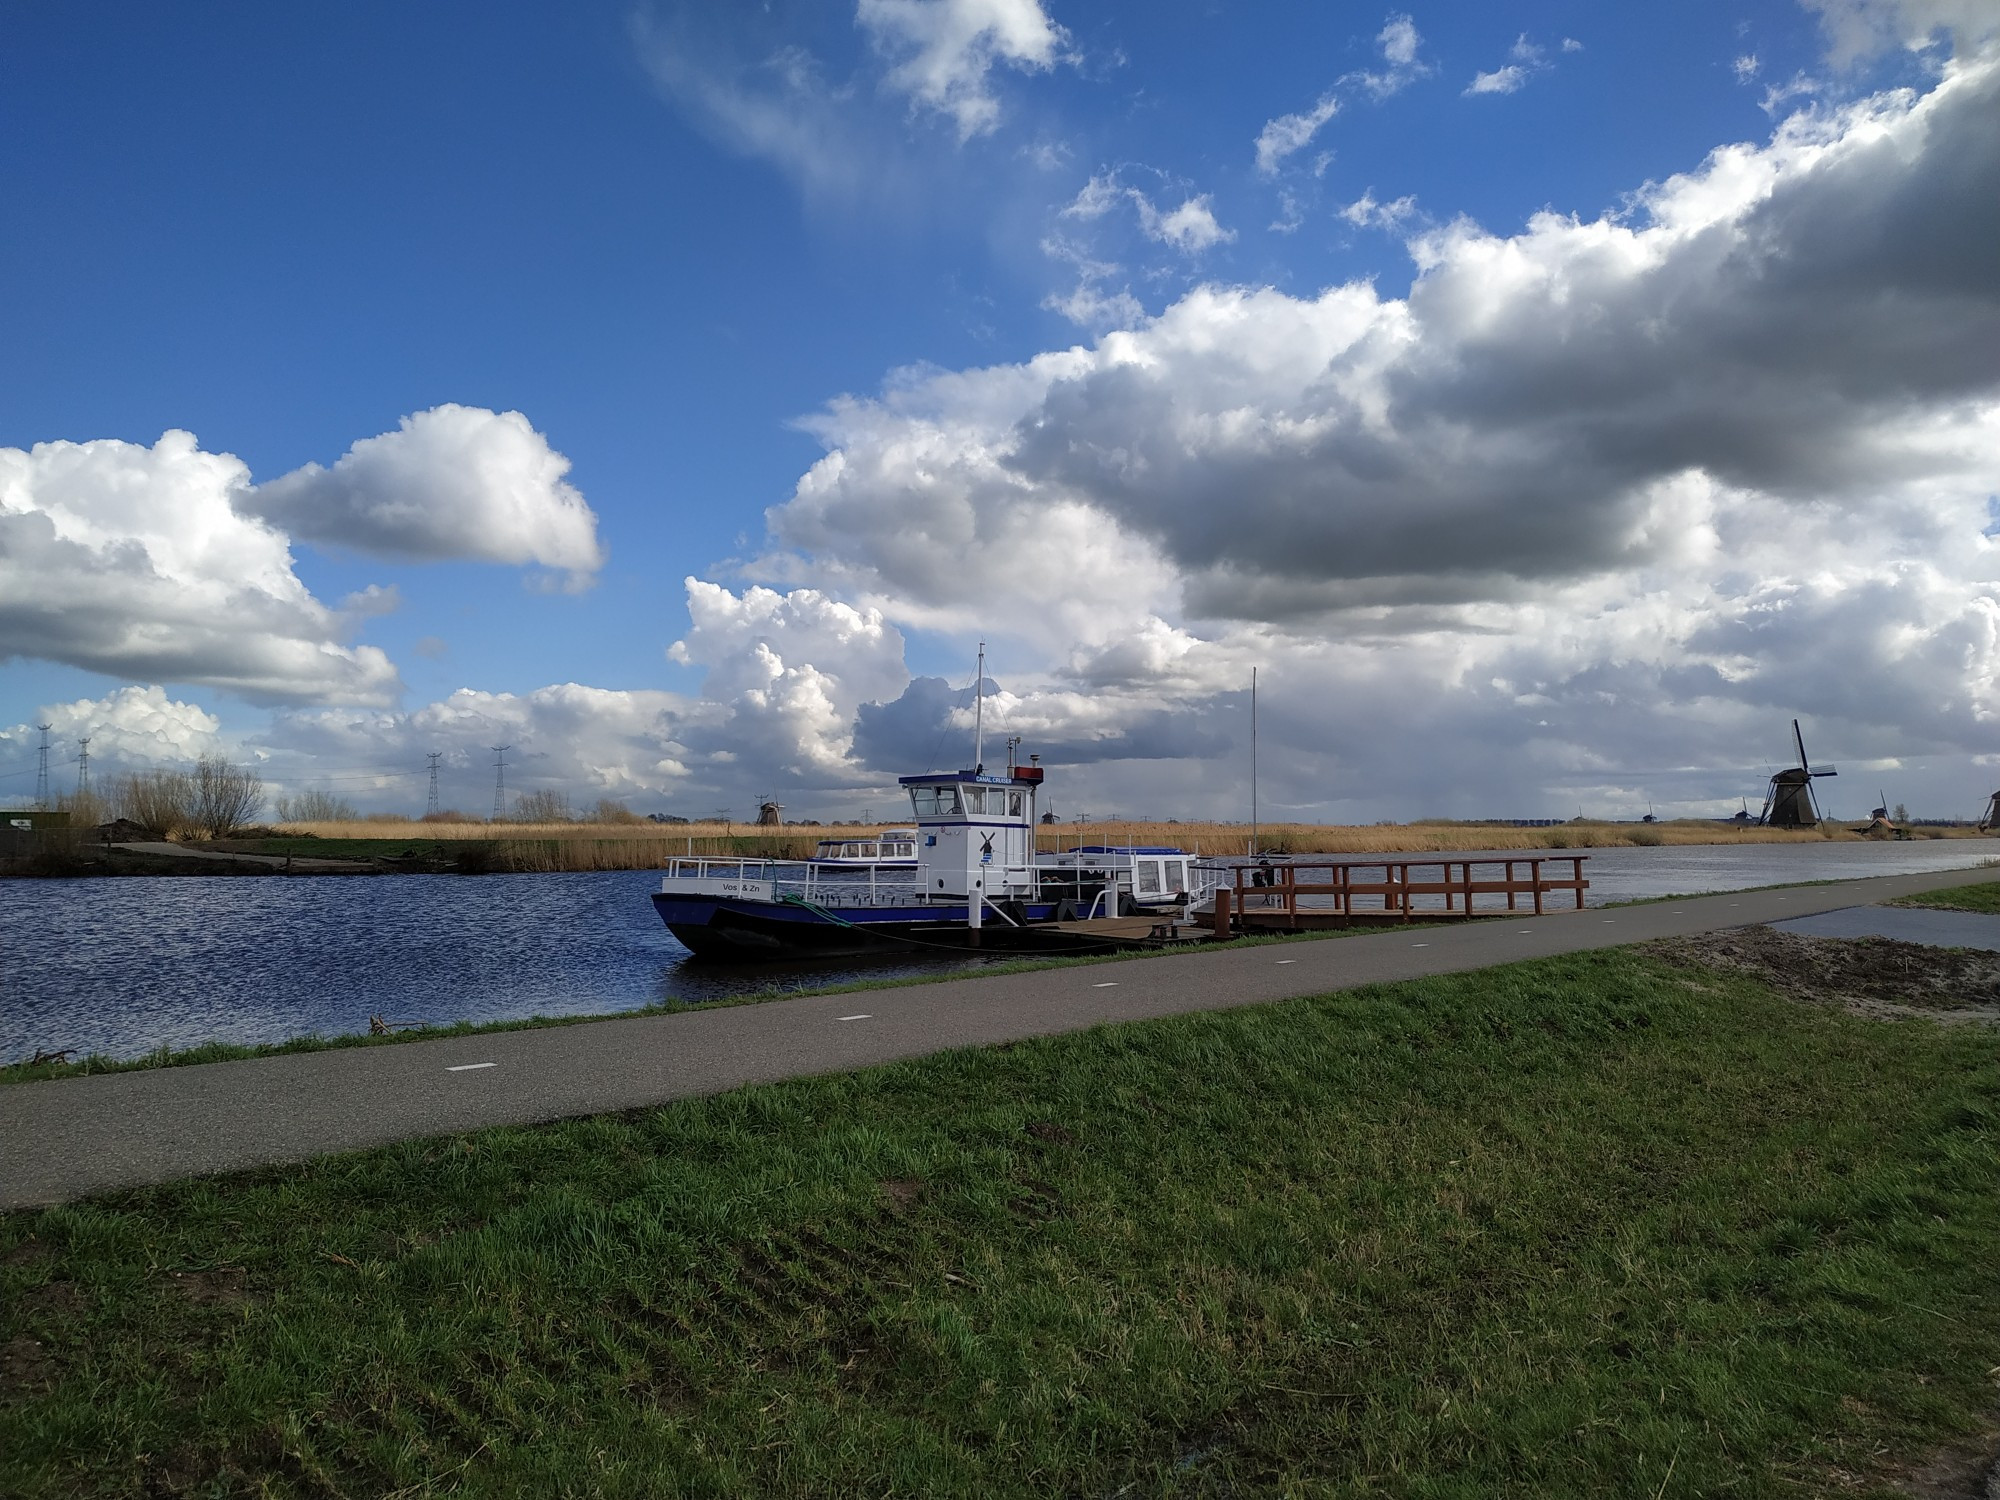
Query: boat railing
(843, 885)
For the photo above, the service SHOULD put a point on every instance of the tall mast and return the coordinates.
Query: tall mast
(1253, 760)
(979, 711)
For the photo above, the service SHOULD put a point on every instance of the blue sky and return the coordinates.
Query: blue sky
(899, 325)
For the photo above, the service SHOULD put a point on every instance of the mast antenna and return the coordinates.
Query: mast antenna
(979, 712)
(1253, 760)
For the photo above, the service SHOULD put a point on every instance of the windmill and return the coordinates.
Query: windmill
(1990, 819)
(1788, 802)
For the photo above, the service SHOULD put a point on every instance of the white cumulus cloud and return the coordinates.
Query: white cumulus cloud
(142, 563)
(949, 47)
(1288, 133)
(1861, 28)
(129, 728)
(451, 482)
(1191, 228)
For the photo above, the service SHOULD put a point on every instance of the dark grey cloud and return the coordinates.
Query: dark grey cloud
(1786, 344)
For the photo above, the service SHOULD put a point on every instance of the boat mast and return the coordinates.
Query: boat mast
(979, 712)
(1253, 760)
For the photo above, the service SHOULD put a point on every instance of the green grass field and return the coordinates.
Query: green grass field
(1980, 898)
(1584, 1227)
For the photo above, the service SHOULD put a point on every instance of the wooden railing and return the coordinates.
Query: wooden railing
(1247, 901)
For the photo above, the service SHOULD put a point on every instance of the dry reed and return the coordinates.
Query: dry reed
(644, 846)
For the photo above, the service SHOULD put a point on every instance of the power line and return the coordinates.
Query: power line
(500, 780)
(42, 770)
(431, 807)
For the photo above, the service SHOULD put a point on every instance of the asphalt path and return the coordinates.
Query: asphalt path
(71, 1138)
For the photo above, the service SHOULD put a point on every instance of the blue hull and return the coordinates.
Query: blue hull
(722, 927)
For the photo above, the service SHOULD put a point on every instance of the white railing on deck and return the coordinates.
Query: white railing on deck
(822, 885)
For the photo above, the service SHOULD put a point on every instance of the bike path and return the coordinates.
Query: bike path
(70, 1138)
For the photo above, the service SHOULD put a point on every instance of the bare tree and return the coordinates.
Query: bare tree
(609, 810)
(161, 801)
(225, 796)
(542, 807)
(315, 806)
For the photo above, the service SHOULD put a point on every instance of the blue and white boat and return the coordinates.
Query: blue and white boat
(976, 882)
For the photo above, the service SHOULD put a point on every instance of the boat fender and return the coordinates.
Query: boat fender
(1065, 912)
(1128, 906)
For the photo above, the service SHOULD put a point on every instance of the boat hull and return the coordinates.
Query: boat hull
(727, 928)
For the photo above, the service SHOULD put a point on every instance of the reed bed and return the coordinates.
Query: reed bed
(549, 847)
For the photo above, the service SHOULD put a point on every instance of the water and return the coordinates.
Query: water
(123, 966)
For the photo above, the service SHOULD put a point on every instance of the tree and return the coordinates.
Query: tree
(609, 810)
(542, 807)
(159, 801)
(315, 806)
(1900, 814)
(225, 796)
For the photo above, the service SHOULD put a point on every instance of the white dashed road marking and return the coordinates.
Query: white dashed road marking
(468, 1067)
(1106, 984)
(863, 1017)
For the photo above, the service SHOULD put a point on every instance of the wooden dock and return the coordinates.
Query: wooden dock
(1294, 896)
(1150, 930)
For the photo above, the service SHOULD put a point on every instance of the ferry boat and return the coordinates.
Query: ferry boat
(976, 881)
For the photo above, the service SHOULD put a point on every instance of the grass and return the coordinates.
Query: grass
(1979, 898)
(1582, 1227)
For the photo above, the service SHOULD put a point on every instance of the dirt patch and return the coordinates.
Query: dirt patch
(25, 1369)
(1967, 1472)
(1874, 977)
(1053, 1135)
(223, 1287)
(59, 1298)
(903, 1192)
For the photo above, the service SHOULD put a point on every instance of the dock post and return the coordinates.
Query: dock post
(1222, 911)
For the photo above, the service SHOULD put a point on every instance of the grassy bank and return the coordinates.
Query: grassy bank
(1588, 1227)
(1979, 898)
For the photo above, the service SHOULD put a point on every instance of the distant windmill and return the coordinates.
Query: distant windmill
(1788, 803)
(1990, 819)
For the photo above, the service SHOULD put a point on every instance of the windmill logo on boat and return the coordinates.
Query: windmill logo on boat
(1788, 802)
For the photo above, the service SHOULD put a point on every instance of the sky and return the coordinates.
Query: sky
(1548, 401)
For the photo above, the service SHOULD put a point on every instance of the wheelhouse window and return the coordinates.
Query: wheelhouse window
(1014, 804)
(1148, 871)
(934, 801)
